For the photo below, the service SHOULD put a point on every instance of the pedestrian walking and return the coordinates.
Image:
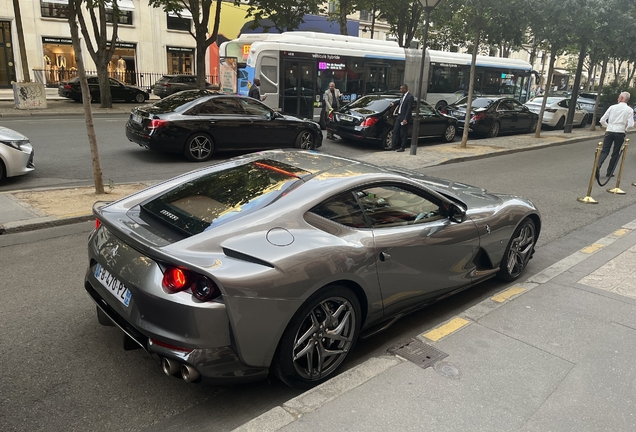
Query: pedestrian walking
(404, 116)
(331, 102)
(617, 119)
(255, 90)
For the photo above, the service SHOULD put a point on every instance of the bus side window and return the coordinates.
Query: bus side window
(269, 75)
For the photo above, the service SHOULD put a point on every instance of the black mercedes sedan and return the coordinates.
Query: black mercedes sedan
(492, 116)
(118, 90)
(371, 119)
(197, 123)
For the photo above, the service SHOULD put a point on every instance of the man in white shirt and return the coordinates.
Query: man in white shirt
(617, 119)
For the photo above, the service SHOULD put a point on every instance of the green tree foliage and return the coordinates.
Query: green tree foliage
(404, 17)
(200, 10)
(285, 15)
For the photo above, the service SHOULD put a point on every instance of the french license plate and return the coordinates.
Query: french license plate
(136, 118)
(114, 286)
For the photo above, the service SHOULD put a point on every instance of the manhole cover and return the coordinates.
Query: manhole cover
(447, 370)
(418, 352)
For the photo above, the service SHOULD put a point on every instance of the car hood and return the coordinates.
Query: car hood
(11, 135)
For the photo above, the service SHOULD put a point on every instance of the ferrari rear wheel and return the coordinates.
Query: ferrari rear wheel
(319, 338)
(519, 251)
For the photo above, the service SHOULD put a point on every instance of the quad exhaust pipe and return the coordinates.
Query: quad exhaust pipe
(172, 367)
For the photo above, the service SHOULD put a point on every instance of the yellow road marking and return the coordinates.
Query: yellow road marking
(505, 295)
(592, 248)
(621, 232)
(448, 328)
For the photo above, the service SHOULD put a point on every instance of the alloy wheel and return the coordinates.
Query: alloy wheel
(305, 140)
(520, 250)
(199, 148)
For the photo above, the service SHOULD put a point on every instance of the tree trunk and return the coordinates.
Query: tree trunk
(575, 89)
(105, 96)
(598, 95)
(342, 16)
(74, 6)
(553, 53)
(21, 44)
(471, 87)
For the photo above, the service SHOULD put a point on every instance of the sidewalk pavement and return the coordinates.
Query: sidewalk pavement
(551, 353)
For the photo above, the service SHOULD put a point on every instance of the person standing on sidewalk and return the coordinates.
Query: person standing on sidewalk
(331, 102)
(617, 119)
(404, 115)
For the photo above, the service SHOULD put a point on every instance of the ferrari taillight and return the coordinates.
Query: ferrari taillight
(177, 279)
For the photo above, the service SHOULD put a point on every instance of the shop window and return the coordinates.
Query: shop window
(180, 62)
(178, 23)
(125, 17)
(54, 10)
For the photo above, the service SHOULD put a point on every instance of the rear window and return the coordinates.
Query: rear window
(374, 104)
(179, 102)
(219, 197)
(477, 103)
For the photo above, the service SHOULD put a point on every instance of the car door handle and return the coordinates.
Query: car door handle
(384, 256)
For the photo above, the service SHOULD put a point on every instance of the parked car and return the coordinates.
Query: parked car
(588, 103)
(279, 260)
(197, 123)
(556, 111)
(16, 154)
(170, 84)
(371, 119)
(118, 90)
(494, 116)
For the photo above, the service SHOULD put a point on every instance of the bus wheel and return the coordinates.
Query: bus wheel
(387, 140)
(440, 105)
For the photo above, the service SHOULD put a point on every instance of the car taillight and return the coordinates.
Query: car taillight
(443, 110)
(369, 121)
(166, 84)
(177, 279)
(67, 86)
(331, 116)
(156, 123)
(477, 117)
(98, 223)
(552, 110)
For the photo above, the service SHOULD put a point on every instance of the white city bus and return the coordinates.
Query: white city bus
(295, 69)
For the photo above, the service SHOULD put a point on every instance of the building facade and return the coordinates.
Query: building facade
(150, 43)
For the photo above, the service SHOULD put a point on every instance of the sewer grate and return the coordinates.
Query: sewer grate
(418, 352)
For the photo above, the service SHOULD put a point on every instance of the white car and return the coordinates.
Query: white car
(16, 154)
(556, 111)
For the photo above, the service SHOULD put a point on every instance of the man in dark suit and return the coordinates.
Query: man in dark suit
(404, 114)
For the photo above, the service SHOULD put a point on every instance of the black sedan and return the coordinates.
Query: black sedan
(198, 123)
(371, 119)
(118, 90)
(493, 116)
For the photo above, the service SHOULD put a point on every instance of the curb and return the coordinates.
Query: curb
(40, 223)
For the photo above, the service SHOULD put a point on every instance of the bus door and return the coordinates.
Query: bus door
(376, 77)
(298, 88)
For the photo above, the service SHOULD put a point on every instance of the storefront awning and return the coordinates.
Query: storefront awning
(124, 5)
(185, 13)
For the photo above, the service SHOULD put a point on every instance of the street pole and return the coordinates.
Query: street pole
(418, 91)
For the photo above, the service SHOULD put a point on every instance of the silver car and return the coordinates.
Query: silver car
(16, 154)
(279, 260)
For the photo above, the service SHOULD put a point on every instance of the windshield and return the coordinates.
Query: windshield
(373, 104)
(210, 200)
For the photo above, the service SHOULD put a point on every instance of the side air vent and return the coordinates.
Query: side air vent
(241, 256)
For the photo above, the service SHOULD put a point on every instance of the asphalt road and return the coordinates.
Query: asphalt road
(62, 371)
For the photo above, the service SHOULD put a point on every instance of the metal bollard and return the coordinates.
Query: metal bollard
(617, 190)
(588, 199)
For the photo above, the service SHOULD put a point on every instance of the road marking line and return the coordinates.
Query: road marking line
(505, 295)
(592, 248)
(448, 328)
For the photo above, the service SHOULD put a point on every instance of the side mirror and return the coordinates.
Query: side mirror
(456, 214)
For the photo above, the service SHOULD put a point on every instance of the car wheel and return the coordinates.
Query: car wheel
(494, 130)
(583, 121)
(519, 251)
(140, 98)
(305, 140)
(319, 338)
(199, 147)
(533, 126)
(387, 140)
(449, 133)
(3, 171)
(560, 123)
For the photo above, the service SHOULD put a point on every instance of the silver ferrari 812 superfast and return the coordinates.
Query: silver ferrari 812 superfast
(278, 261)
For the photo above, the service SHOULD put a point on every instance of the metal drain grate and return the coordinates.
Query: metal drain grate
(418, 352)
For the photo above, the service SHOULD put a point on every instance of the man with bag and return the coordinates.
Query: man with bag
(617, 119)
(331, 102)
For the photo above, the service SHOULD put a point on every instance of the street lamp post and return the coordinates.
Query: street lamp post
(428, 5)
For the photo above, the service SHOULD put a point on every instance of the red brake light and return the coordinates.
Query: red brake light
(477, 117)
(369, 121)
(156, 123)
(330, 115)
(176, 279)
(443, 110)
(67, 86)
(98, 223)
(166, 84)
